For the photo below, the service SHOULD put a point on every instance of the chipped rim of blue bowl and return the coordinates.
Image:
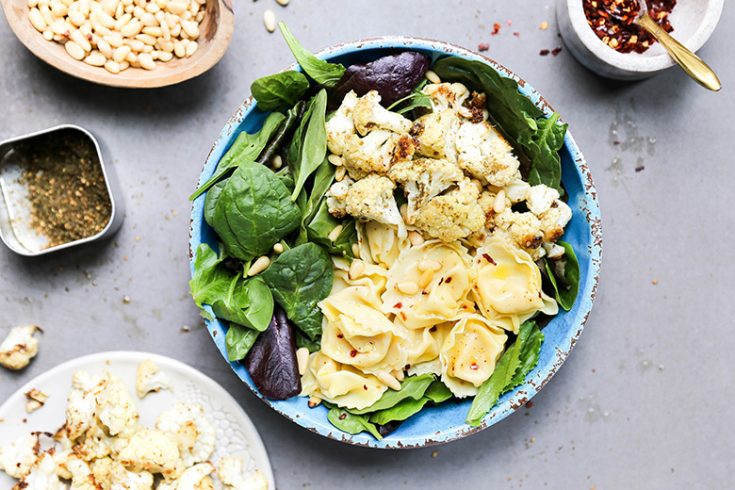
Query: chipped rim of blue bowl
(445, 422)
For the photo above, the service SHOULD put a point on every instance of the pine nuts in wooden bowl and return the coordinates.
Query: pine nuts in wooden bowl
(125, 43)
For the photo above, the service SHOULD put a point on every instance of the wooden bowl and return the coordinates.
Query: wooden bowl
(216, 32)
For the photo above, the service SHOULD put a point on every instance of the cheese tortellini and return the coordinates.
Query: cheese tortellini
(429, 284)
(508, 285)
(380, 243)
(469, 353)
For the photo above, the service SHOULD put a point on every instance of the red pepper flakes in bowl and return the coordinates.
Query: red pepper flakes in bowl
(612, 22)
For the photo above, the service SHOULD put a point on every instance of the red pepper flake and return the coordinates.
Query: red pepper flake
(517, 34)
(342, 416)
(544, 52)
(529, 404)
(441, 281)
(398, 306)
(613, 22)
(340, 336)
(449, 279)
(489, 259)
(496, 29)
(640, 168)
(364, 387)
(474, 366)
(353, 353)
(483, 47)
(403, 316)
(555, 51)
(433, 329)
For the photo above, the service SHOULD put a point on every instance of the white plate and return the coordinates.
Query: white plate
(235, 432)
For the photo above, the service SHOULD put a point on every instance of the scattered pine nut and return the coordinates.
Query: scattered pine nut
(408, 287)
(432, 77)
(334, 234)
(260, 264)
(269, 20)
(302, 359)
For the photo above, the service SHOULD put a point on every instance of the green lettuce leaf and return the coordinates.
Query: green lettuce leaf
(279, 91)
(238, 341)
(351, 423)
(563, 275)
(323, 72)
(412, 387)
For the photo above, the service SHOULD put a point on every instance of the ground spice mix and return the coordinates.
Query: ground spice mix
(66, 186)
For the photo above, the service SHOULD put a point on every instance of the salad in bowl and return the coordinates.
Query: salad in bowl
(389, 237)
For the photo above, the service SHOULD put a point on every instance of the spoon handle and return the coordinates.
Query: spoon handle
(690, 62)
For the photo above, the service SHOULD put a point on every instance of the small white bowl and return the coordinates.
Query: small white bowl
(693, 21)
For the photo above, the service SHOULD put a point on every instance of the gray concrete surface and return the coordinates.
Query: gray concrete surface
(645, 399)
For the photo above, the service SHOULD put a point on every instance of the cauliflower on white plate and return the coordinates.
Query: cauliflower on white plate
(194, 478)
(194, 434)
(423, 179)
(17, 457)
(116, 408)
(149, 379)
(19, 347)
(81, 403)
(368, 198)
(154, 451)
(42, 476)
(234, 474)
(485, 155)
(453, 215)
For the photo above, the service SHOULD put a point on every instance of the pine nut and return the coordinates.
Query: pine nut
(138, 12)
(48, 35)
(193, 8)
(260, 264)
(149, 40)
(32, 4)
(282, 3)
(104, 48)
(191, 28)
(147, 48)
(163, 55)
(314, 401)
(115, 40)
(109, 6)
(77, 18)
(105, 19)
(135, 45)
(278, 248)
(200, 16)
(355, 250)
(120, 10)
(167, 46)
(499, 202)
(398, 374)
(415, 238)
(357, 269)
(191, 48)
(186, 15)
(95, 58)
(176, 7)
(154, 31)
(335, 160)
(131, 28)
(120, 23)
(276, 162)
(84, 7)
(37, 20)
(152, 8)
(388, 380)
(59, 10)
(175, 30)
(340, 173)
(179, 49)
(112, 66)
(74, 50)
(269, 20)
(48, 17)
(429, 265)
(149, 20)
(121, 53)
(146, 61)
(171, 20)
(432, 77)
(131, 58)
(302, 359)
(408, 287)
(334, 234)
(162, 3)
(124, 65)
(165, 31)
(59, 27)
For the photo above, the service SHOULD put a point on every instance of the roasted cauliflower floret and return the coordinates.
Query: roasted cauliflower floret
(149, 379)
(42, 476)
(453, 215)
(368, 198)
(423, 179)
(194, 478)
(340, 125)
(153, 451)
(122, 479)
(446, 96)
(435, 135)
(193, 432)
(375, 152)
(82, 403)
(19, 347)
(540, 198)
(523, 228)
(116, 409)
(554, 220)
(517, 190)
(368, 115)
(234, 474)
(485, 155)
(17, 458)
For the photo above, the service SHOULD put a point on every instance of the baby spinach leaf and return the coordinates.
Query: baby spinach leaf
(412, 387)
(279, 91)
(324, 73)
(313, 149)
(279, 137)
(563, 275)
(247, 302)
(438, 392)
(299, 279)
(399, 412)
(351, 423)
(303, 341)
(530, 351)
(415, 100)
(504, 376)
(539, 139)
(246, 148)
(210, 280)
(323, 178)
(253, 212)
(238, 341)
(210, 200)
(322, 224)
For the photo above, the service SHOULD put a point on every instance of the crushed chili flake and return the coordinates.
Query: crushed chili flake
(353, 353)
(517, 34)
(496, 29)
(489, 259)
(613, 22)
(340, 336)
(529, 404)
(483, 47)
(544, 52)
(640, 168)
(449, 279)
(555, 51)
(342, 416)
(398, 305)
(364, 387)
(474, 366)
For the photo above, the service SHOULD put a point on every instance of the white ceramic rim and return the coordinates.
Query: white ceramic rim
(255, 443)
(640, 64)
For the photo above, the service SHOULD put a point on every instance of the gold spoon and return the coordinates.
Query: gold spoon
(690, 62)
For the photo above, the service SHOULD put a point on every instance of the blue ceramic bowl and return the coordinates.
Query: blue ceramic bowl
(445, 422)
